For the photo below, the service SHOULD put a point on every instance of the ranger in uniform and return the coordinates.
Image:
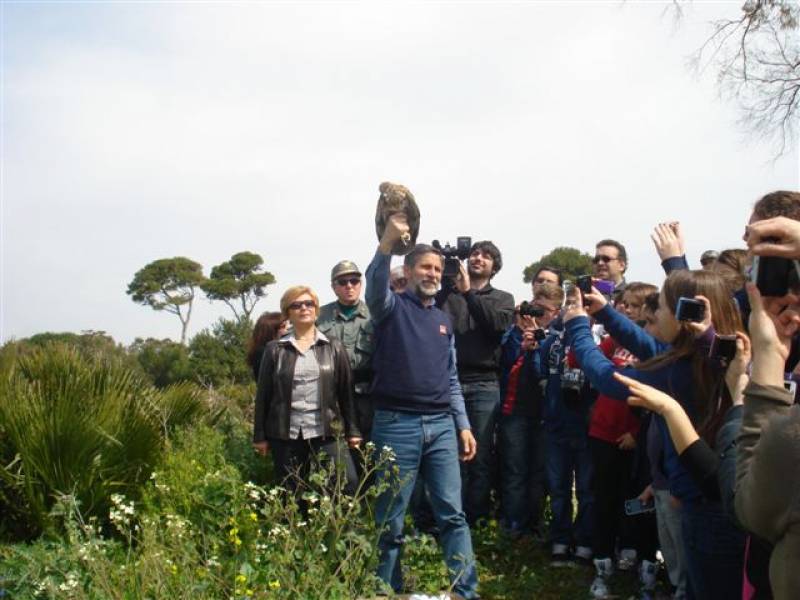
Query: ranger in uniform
(347, 319)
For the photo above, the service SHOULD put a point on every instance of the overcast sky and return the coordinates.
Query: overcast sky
(139, 131)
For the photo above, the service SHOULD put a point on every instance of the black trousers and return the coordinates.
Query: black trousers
(293, 460)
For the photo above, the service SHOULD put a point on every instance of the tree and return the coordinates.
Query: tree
(165, 362)
(168, 284)
(570, 261)
(757, 57)
(239, 281)
(219, 355)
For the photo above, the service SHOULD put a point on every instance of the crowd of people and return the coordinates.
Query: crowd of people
(666, 409)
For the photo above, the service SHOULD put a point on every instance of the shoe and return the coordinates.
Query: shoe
(627, 559)
(604, 568)
(583, 555)
(648, 572)
(559, 556)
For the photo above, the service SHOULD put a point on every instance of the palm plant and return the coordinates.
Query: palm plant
(81, 426)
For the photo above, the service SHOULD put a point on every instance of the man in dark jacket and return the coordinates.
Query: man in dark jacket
(481, 315)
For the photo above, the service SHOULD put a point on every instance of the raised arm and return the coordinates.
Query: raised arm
(380, 299)
(628, 334)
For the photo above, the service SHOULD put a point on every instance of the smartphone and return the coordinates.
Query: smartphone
(790, 385)
(539, 334)
(774, 276)
(690, 309)
(634, 506)
(723, 349)
(605, 287)
(584, 283)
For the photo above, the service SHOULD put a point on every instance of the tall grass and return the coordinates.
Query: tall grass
(80, 426)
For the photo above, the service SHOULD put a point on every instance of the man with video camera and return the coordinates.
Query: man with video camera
(481, 315)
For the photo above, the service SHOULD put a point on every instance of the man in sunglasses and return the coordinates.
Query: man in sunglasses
(610, 262)
(348, 320)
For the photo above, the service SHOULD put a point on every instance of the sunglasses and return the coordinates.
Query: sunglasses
(604, 258)
(354, 281)
(302, 304)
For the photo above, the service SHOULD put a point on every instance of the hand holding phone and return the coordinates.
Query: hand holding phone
(635, 506)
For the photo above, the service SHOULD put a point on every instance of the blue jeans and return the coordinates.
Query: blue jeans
(482, 400)
(426, 445)
(714, 549)
(522, 454)
(568, 457)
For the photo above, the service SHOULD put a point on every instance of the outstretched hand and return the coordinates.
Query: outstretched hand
(668, 240)
(647, 396)
(574, 305)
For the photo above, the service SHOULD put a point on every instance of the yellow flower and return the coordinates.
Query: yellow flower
(274, 584)
(174, 569)
(248, 592)
(240, 578)
(253, 516)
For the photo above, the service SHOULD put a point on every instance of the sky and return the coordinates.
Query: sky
(138, 131)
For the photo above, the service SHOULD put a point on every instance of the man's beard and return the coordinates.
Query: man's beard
(422, 292)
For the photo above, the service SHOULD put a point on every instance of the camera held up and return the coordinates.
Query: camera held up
(452, 257)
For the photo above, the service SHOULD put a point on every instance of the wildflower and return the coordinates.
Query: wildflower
(241, 578)
(274, 584)
(253, 516)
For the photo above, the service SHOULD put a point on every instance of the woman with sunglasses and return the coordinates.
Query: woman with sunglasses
(304, 401)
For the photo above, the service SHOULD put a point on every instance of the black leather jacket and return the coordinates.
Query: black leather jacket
(275, 382)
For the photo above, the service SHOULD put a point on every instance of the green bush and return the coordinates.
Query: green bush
(218, 356)
(200, 532)
(80, 426)
(165, 362)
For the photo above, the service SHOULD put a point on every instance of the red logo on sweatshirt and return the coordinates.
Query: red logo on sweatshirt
(443, 329)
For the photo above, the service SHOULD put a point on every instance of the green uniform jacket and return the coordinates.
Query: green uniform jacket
(357, 336)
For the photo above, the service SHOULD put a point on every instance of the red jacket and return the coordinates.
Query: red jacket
(611, 417)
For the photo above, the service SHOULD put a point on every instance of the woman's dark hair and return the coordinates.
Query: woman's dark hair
(711, 396)
(491, 250)
(264, 331)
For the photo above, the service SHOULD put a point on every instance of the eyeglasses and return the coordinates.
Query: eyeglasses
(302, 304)
(354, 281)
(604, 258)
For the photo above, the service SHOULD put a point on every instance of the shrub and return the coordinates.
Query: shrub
(165, 362)
(80, 426)
(199, 531)
(218, 355)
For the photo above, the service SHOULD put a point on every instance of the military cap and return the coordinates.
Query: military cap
(344, 267)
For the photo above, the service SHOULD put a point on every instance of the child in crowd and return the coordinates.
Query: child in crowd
(521, 434)
(568, 400)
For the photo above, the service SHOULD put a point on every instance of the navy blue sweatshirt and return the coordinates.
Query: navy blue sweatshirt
(674, 379)
(415, 358)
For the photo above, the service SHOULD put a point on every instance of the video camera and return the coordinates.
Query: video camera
(453, 255)
(526, 309)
